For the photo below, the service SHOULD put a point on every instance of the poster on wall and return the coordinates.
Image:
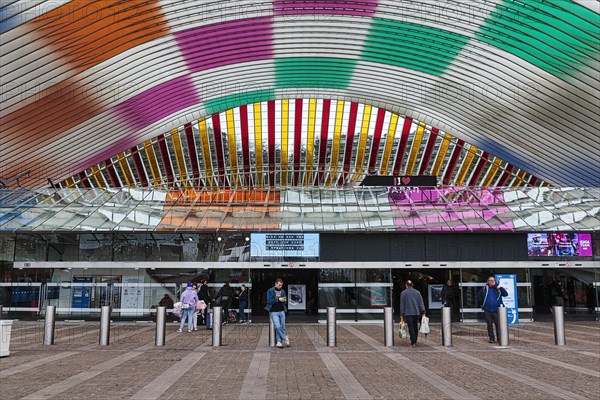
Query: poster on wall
(378, 296)
(435, 296)
(297, 297)
(509, 282)
(80, 294)
(132, 296)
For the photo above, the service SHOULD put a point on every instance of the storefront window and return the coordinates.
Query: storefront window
(30, 248)
(95, 247)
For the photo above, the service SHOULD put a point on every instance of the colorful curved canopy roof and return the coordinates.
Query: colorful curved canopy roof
(86, 83)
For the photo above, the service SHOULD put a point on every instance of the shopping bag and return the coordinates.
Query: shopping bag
(424, 325)
(402, 332)
(200, 305)
(177, 309)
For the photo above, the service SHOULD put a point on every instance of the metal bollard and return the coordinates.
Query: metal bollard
(559, 326)
(217, 331)
(161, 325)
(49, 325)
(503, 326)
(272, 333)
(105, 326)
(388, 326)
(446, 326)
(331, 327)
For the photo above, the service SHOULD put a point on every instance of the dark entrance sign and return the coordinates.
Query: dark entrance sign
(374, 180)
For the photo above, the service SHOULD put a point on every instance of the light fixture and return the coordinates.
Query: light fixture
(247, 239)
(219, 238)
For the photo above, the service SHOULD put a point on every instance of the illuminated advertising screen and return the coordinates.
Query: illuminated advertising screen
(559, 244)
(284, 245)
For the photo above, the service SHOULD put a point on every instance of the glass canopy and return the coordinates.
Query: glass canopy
(360, 209)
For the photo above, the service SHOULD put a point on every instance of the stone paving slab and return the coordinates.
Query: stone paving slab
(359, 367)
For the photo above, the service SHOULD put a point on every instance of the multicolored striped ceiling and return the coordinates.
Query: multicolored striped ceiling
(302, 142)
(85, 84)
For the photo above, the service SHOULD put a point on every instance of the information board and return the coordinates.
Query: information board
(278, 245)
(509, 282)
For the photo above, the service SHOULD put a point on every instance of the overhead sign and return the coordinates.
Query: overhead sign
(387, 181)
(509, 283)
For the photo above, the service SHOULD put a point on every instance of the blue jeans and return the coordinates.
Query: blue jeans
(278, 318)
(188, 314)
(243, 305)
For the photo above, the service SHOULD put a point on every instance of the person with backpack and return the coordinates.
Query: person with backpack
(223, 298)
(490, 298)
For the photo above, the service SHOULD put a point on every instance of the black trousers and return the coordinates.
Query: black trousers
(492, 318)
(413, 328)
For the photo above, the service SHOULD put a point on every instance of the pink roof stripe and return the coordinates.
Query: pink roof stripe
(158, 102)
(225, 43)
(363, 8)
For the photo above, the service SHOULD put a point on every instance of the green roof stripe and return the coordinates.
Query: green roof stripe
(419, 47)
(314, 72)
(239, 99)
(549, 37)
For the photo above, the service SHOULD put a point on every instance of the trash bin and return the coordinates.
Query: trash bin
(5, 329)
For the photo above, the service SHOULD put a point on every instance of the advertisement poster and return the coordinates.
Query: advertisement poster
(80, 295)
(378, 296)
(509, 282)
(132, 295)
(297, 297)
(435, 296)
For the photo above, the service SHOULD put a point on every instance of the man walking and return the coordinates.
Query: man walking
(411, 309)
(490, 297)
(276, 307)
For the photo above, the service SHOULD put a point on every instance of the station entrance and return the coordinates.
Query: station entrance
(301, 286)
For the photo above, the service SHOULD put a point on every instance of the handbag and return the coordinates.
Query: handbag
(424, 325)
(185, 306)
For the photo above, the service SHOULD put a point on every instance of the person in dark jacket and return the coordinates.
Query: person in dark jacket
(276, 307)
(243, 300)
(490, 297)
(447, 294)
(205, 297)
(411, 309)
(224, 297)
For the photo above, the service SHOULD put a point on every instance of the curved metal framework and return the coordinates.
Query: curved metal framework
(83, 81)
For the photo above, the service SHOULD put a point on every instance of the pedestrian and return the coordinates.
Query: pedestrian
(196, 310)
(276, 306)
(167, 302)
(558, 294)
(447, 294)
(188, 299)
(223, 298)
(411, 309)
(243, 303)
(205, 297)
(490, 298)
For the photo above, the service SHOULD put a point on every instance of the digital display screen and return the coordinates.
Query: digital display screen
(281, 245)
(559, 244)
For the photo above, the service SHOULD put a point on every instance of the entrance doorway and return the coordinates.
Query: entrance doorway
(301, 287)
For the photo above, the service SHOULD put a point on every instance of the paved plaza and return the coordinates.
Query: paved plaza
(245, 367)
